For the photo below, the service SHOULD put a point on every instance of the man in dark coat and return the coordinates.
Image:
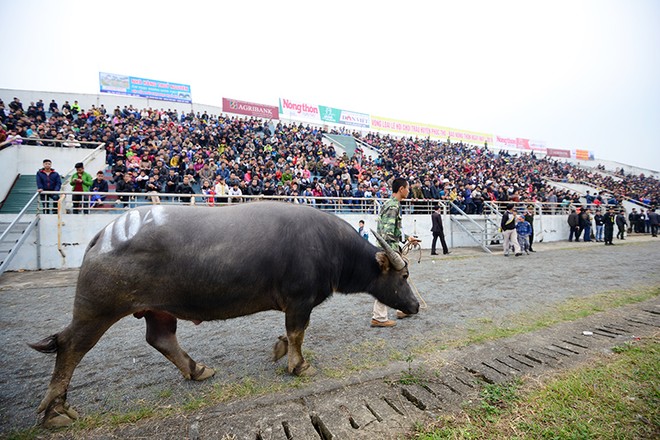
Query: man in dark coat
(48, 180)
(99, 185)
(438, 231)
(654, 221)
(609, 220)
(529, 218)
(573, 222)
(620, 224)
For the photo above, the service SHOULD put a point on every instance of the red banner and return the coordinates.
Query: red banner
(554, 152)
(249, 108)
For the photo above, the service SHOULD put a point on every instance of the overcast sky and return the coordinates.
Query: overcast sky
(575, 74)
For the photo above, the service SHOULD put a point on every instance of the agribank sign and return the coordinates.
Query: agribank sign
(249, 108)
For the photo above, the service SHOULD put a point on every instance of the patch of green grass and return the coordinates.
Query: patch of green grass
(25, 434)
(164, 394)
(616, 397)
(482, 329)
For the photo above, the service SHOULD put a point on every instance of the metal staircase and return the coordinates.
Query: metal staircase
(486, 234)
(21, 191)
(15, 233)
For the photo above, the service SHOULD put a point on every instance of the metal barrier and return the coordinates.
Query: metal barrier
(94, 202)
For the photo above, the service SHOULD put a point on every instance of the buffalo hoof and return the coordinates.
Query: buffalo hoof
(202, 372)
(280, 348)
(60, 417)
(58, 421)
(304, 370)
(72, 413)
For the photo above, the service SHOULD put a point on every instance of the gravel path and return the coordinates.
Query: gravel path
(122, 372)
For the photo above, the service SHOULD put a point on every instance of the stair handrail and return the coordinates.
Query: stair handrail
(18, 217)
(481, 228)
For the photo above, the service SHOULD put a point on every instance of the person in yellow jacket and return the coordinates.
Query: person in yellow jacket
(80, 182)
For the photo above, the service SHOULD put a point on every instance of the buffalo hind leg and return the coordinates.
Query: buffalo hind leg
(71, 345)
(161, 334)
(296, 324)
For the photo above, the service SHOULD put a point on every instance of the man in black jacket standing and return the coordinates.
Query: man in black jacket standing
(529, 217)
(573, 222)
(620, 221)
(609, 219)
(438, 231)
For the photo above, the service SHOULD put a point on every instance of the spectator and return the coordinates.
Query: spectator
(438, 230)
(48, 180)
(99, 185)
(172, 182)
(620, 224)
(609, 219)
(599, 220)
(362, 231)
(523, 231)
(153, 187)
(234, 193)
(529, 218)
(185, 187)
(222, 190)
(573, 222)
(508, 228)
(81, 182)
(126, 185)
(585, 223)
(654, 222)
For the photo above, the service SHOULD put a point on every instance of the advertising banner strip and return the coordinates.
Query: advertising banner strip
(556, 152)
(145, 88)
(345, 117)
(249, 108)
(417, 129)
(290, 109)
(582, 154)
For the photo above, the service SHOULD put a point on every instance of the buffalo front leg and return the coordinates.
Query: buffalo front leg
(71, 345)
(161, 334)
(296, 324)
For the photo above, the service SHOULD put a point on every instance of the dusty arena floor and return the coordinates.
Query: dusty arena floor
(123, 372)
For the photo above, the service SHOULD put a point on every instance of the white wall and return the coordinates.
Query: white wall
(75, 232)
(28, 159)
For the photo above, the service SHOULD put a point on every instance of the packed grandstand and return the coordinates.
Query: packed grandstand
(225, 155)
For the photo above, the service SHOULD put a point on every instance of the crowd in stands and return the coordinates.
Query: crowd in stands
(164, 151)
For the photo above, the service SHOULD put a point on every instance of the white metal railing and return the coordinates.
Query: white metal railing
(91, 202)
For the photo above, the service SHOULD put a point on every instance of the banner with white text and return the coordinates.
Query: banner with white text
(145, 88)
(249, 108)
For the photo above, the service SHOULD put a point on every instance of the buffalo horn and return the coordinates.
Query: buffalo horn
(394, 257)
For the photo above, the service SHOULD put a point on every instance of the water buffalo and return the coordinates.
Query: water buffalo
(165, 263)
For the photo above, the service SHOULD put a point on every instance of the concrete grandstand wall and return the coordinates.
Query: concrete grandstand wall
(28, 159)
(61, 245)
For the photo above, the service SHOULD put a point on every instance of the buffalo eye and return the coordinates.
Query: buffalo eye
(405, 276)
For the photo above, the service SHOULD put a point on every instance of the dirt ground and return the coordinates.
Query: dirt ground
(123, 372)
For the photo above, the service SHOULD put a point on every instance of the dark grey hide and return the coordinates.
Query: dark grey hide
(165, 263)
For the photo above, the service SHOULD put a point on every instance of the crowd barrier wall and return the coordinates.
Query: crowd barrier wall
(56, 244)
(28, 159)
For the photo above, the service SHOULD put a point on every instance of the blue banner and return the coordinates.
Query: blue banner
(145, 88)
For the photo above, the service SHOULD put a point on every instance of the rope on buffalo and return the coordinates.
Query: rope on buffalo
(404, 252)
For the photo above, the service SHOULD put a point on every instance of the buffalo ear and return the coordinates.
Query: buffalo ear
(383, 261)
